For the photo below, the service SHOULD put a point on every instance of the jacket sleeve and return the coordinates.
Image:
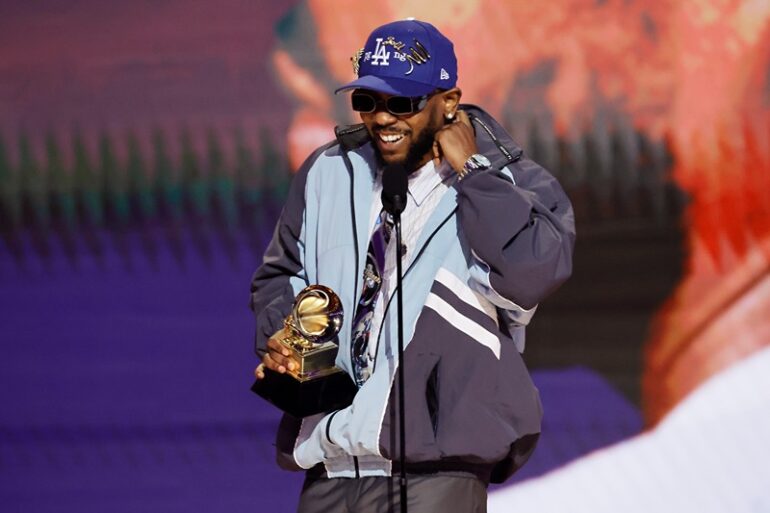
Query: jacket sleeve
(521, 230)
(282, 273)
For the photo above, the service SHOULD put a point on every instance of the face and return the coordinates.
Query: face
(408, 139)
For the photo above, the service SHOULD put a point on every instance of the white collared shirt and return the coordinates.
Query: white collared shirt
(426, 187)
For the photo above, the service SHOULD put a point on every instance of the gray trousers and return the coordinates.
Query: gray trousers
(434, 493)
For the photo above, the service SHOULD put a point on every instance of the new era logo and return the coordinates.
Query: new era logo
(444, 74)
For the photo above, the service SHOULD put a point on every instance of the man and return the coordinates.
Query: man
(487, 235)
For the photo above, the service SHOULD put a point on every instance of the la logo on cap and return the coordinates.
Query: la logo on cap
(380, 55)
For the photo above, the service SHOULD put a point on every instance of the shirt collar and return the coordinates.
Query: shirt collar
(424, 180)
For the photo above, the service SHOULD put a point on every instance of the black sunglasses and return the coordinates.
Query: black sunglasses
(396, 105)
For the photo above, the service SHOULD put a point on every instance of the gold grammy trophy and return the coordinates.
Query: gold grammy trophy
(316, 385)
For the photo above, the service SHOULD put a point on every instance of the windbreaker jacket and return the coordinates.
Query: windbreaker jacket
(498, 242)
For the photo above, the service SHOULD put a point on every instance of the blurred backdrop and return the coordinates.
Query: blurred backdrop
(145, 151)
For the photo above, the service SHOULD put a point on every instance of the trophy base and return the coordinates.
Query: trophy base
(315, 361)
(299, 399)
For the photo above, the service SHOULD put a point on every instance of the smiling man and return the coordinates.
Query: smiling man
(487, 235)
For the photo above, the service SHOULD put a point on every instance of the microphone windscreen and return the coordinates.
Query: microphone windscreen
(394, 185)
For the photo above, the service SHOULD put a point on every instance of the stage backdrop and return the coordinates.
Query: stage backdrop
(145, 151)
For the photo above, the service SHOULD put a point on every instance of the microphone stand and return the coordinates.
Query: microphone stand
(394, 190)
(401, 408)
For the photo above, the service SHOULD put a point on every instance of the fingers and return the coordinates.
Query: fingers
(279, 362)
(278, 358)
(269, 362)
(460, 129)
(462, 117)
(456, 141)
(273, 344)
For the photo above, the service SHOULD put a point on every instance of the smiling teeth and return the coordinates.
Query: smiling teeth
(391, 138)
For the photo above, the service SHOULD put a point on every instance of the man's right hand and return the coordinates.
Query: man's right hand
(277, 357)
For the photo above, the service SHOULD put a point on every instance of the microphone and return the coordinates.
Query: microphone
(394, 184)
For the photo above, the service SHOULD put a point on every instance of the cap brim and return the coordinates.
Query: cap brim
(388, 85)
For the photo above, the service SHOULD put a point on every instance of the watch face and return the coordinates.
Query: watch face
(474, 163)
(480, 161)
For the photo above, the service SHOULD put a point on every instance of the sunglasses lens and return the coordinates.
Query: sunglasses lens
(362, 102)
(396, 105)
(399, 105)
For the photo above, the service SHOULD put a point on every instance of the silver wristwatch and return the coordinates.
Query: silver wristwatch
(476, 162)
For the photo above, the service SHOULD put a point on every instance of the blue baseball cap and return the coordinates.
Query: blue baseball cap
(405, 58)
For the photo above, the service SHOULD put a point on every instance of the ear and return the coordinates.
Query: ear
(450, 100)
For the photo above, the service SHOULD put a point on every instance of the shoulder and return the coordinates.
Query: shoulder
(329, 150)
(492, 139)
(349, 154)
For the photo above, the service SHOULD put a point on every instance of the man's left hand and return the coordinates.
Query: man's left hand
(455, 142)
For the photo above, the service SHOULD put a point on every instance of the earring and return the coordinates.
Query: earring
(450, 115)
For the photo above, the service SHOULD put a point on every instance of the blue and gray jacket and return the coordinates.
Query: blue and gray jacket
(498, 243)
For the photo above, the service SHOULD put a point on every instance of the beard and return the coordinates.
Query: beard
(417, 151)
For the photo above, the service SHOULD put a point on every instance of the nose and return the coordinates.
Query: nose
(383, 117)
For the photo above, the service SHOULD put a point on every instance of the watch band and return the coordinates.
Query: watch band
(476, 162)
